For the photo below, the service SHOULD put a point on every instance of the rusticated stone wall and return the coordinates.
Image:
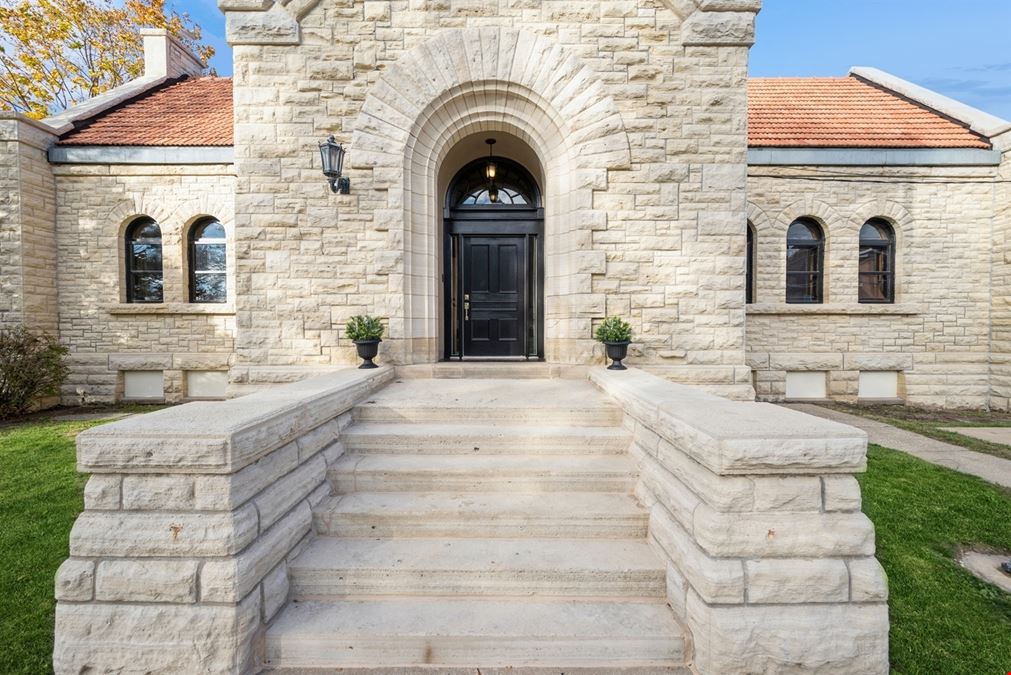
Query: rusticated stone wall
(1000, 281)
(635, 110)
(27, 222)
(180, 556)
(106, 335)
(936, 334)
(770, 561)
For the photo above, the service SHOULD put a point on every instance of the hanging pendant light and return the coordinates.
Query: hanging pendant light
(490, 171)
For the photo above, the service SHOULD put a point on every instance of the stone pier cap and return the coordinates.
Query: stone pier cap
(223, 436)
(734, 437)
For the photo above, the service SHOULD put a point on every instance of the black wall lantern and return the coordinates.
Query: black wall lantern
(332, 154)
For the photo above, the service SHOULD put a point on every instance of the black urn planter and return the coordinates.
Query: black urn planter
(367, 350)
(616, 351)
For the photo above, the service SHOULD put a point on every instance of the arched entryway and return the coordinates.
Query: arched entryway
(493, 255)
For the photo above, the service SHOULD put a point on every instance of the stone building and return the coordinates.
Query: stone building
(802, 239)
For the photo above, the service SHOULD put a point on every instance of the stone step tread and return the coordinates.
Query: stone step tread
(551, 505)
(498, 514)
(421, 437)
(476, 632)
(503, 467)
(604, 556)
(466, 394)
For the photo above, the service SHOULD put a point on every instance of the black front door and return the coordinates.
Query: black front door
(494, 296)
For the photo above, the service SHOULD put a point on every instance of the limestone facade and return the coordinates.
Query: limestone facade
(937, 337)
(632, 115)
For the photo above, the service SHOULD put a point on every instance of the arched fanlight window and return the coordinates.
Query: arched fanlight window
(511, 186)
(805, 254)
(144, 276)
(750, 266)
(877, 262)
(208, 262)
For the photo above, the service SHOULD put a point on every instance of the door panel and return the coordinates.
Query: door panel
(494, 296)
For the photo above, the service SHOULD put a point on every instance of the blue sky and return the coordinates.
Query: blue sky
(961, 48)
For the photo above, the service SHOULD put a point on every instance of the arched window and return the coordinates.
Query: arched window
(877, 262)
(512, 186)
(749, 293)
(143, 261)
(805, 253)
(208, 270)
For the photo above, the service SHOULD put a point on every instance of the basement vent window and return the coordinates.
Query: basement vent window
(206, 384)
(805, 385)
(143, 384)
(878, 385)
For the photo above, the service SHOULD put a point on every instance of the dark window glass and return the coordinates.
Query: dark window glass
(143, 262)
(208, 262)
(877, 262)
(749, 293)
(512, 186)
(805, 249)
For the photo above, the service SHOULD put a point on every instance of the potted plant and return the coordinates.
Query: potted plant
(366, 332)
(616, 336)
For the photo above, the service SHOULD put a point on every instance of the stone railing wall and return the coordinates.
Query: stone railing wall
(770, 560)
(191, 513)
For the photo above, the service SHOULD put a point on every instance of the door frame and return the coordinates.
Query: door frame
(493, 221)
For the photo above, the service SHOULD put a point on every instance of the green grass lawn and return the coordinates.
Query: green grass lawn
(943, 620)
(931, 422)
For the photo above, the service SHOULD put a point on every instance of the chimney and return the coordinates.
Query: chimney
(165, 56)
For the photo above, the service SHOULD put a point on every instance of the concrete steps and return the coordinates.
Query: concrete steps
(472, 439)
(403, 632)
(483, 473)
(485, 515)
(490, 402)
(480, 525)
(333, 568)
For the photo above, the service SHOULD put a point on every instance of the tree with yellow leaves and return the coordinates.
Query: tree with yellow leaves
(55, 53)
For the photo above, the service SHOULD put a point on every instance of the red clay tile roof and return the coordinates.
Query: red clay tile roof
(829, 112)
(845, 112)
(190, 112)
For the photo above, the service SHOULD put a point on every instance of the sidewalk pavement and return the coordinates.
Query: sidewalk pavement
(989, 468)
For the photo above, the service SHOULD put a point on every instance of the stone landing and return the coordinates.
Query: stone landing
(483, 523)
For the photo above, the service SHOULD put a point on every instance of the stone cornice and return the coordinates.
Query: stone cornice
(707, 22)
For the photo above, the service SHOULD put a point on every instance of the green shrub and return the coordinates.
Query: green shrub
(31, 367)
(613, 329)
(360, 328)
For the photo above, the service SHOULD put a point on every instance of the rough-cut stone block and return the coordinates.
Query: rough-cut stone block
(233, 578)
(149, 638)
(229, 492)
(179, 534)
(224, 436)
(273, 27)
(146, 581)
(140, 361)
(275, 591)
(276, 500)
(719, 29)
(732, 437)
(851, 639)
(842, 493)
(791, 581)
(716, 580)
(787, 493)
(75, 580)
(158, 493)
(102, 492)
(868, 581)
(783, 535)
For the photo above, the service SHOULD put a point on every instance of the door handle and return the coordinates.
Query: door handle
(466, 311)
